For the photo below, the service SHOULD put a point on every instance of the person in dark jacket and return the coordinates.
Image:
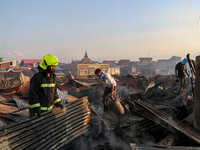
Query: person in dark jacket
(43, 88)
(180, 71)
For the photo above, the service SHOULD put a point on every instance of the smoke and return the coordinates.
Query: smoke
(115, 142)
(15, 55)
(97, 106)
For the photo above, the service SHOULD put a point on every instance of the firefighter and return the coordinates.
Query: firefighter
(43, 88)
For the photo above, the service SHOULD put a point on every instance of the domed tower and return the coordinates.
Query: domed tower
(86, 60)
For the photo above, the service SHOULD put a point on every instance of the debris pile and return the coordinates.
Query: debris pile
(52, 130)
(148, 112)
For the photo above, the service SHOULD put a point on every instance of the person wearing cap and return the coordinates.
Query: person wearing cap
(110, 88)
(43, 88)
(180, 71)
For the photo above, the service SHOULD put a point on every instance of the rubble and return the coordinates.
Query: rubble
(52, 130)
(154, 115)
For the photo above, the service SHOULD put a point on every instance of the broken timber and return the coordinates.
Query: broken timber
(164, 120)
(52, 130)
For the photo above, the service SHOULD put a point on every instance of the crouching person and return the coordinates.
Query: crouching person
(110, 88)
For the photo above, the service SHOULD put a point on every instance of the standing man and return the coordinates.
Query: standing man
(43, 89)
(180, 71)
(110, 88)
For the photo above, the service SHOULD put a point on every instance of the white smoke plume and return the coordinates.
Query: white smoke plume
(15, 55)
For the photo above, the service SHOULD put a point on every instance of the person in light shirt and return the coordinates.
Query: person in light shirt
(110, 88)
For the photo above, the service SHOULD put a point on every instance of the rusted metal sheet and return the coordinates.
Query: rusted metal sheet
(165, 120)
(52, 130)
(70, 98)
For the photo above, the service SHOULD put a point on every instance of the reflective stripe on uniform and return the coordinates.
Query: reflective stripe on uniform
(57, 100)
(34, 105)
(48, 85)
(47, 108)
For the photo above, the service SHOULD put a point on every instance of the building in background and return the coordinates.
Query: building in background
(11, 64)
(144, 66)
(84, 70)
(123, 62)
(108, 61)
(114, 69)
(1, 59)
(9, 69)
(30, 63)
(85, 60)
(145, 61)
(72, 68)
(147, 70)
(167, 66)
(129, 69)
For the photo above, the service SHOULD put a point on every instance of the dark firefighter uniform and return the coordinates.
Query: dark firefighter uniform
(43, 90)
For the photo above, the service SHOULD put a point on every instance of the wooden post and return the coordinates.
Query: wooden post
(197, 93)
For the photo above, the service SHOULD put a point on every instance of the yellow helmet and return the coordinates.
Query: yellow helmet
(48, 60)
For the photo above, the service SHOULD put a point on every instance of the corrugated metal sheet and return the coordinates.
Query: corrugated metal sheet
(20, 103)
(52, 130)
(165, 120)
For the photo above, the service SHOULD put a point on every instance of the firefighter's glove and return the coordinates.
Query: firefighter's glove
(59, 104)
(37, 111)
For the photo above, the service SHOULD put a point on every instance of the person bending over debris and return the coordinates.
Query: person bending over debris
(43, 89)
(180, 71)
(110, 88)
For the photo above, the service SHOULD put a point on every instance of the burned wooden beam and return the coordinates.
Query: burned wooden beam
(165, 120)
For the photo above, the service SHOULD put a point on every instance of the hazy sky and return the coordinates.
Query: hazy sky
(108, 29)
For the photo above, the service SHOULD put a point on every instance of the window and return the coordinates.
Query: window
(14, 63)
(92, 71)
(104, 70)
(83, 72)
